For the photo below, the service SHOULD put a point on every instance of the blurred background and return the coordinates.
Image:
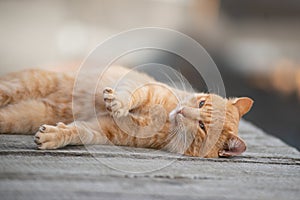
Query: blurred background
(255, 44)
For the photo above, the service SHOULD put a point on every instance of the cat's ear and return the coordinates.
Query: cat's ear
(233, 146)
(243, 104)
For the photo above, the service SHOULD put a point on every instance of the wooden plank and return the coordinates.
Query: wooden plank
(268, 170)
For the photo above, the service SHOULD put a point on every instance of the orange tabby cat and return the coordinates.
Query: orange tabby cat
(140, 112)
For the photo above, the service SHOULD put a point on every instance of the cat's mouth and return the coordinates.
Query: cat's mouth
(176, 116)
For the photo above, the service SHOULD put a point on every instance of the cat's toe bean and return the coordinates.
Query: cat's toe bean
(115, 105)
(48, 145)
(109, 109)
(108, 90)
(109, 97)
(121, 113)
(49, 137)
(47, 128)
(37, 140)
(108, 101)
(42, 128)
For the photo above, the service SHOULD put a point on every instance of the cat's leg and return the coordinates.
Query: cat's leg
(120, 103)
(30, 84)
(114, 105)
(139, 117)
(25, 117)
(54, 137)
(76, 133)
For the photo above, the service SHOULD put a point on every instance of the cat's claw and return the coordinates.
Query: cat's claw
(50, 137)
(113, 105)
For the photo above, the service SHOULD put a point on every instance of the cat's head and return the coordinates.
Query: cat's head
(210, 124)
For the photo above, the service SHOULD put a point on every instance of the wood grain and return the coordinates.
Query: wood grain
(268, 170)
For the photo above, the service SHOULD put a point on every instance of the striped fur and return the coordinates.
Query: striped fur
(132, 110)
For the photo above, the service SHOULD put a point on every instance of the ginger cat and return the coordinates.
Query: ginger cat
(152, 116)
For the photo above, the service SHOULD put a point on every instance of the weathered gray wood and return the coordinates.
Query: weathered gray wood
(268, 170)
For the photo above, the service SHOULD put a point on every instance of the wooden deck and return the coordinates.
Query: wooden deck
(268, 170)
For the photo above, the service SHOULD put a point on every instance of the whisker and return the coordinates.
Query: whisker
(172, 82)
(182, 80)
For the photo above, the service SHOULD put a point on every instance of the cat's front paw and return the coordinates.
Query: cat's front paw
(114, 105)
(50, 137)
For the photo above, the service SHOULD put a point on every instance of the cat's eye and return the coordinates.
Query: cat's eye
(201, 104)
(201, 125)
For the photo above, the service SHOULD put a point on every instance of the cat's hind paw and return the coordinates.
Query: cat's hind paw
(113, 105)
(50, 137)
